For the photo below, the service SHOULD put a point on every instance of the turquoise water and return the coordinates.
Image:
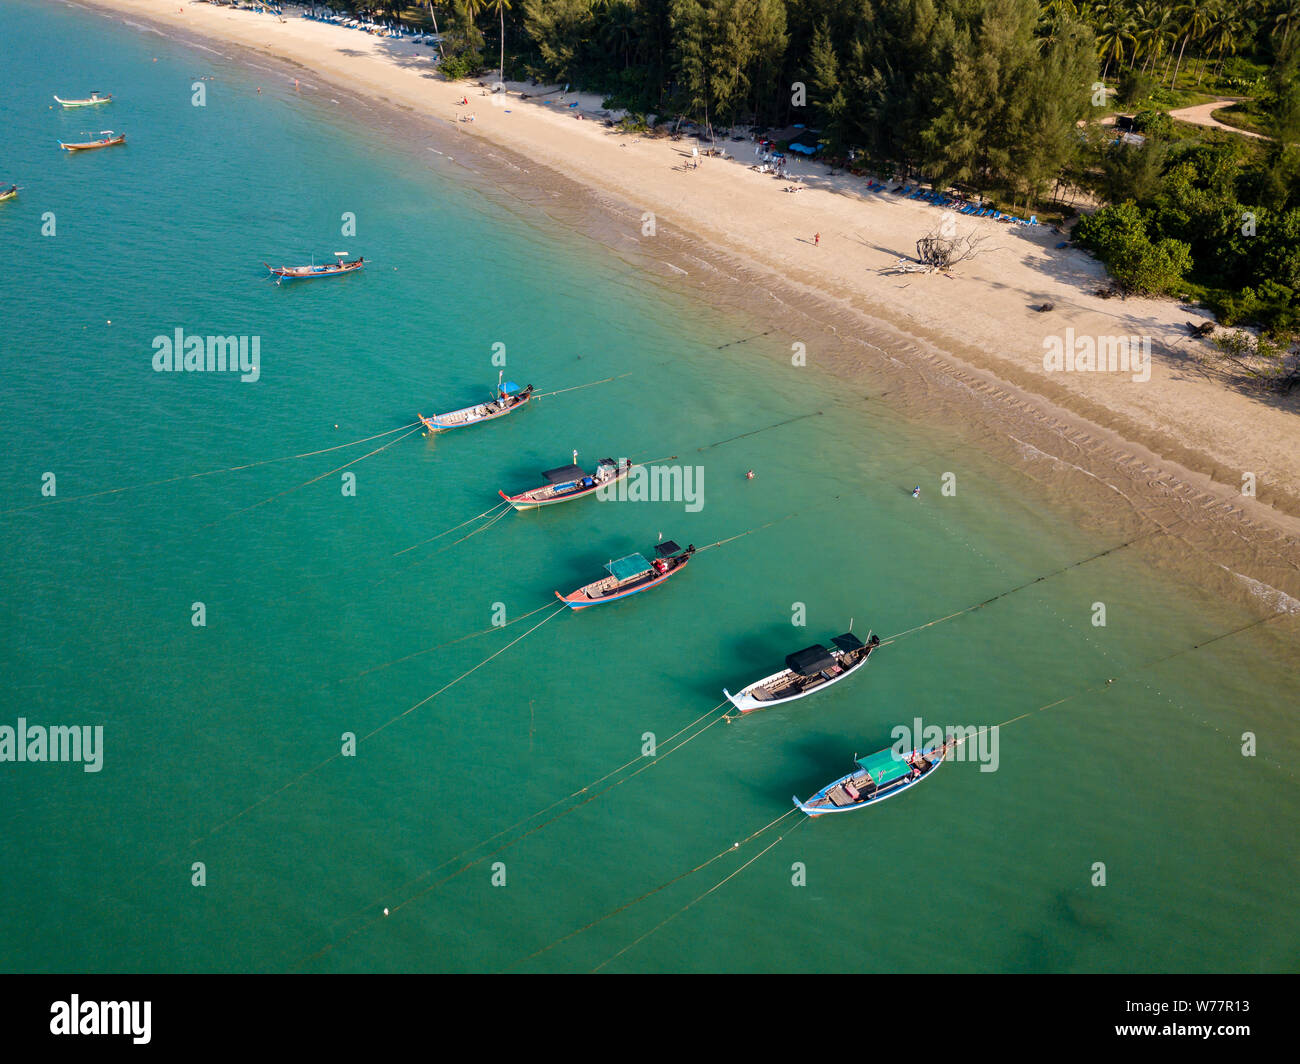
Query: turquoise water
(219, 740)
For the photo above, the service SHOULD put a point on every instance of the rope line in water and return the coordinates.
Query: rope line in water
(693, 901)
(579, 387)
(375, 731)
(296, 487)
(651, 893)
(439, 646)
(209, 473)
(447, 532)
(1018, 587)
(531, 831)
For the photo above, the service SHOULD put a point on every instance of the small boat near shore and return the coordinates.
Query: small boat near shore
(874, 778)
(325, 269)
(812, 669)
(93, 100)
(630, 576)
(108, 139)
(510, 397)
(569, 482)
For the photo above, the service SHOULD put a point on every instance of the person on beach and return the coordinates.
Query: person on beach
(817, 240)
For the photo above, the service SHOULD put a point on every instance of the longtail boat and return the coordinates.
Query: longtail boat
(570, 482)
(108, 139)
(325, 269)
(9, 193)
(510, 397)
(91, 101)
(812, 669)
(874, 779)
(630, 576)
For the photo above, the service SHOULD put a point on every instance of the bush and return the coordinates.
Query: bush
(455, 67)
(1119, 236)
(1155, 124)
(1134, 87)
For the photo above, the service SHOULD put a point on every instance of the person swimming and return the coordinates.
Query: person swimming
(916, 492)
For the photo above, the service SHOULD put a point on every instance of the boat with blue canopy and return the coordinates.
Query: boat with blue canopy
(806, 671)
(570, 482)
(630, 575)
(874, 779)
(509, 398)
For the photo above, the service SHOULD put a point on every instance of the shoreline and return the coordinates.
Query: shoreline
(938, 358)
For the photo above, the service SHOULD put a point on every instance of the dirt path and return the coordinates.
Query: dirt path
(1203, 115)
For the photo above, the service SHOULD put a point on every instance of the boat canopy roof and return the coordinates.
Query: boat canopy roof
(510, 387)
(564, 474)
(666, 548)
(885, 766)
(810, 661)
(848, 642)
(628, 567)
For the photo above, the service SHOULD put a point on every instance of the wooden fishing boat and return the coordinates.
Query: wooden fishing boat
(93, 100)
(630, 576)
(509, 399)
(108, 139)
(325, 269)
(875, 778)
(9, 193)
(570, 482)
(812, 669)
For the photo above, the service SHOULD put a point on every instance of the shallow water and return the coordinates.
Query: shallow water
(220, 740)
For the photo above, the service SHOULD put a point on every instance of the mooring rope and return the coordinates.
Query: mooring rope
(388, 911)
(701, 897)
(651, 893)
(448, 531)
(209, 473)
(296, 487)
(579, 387)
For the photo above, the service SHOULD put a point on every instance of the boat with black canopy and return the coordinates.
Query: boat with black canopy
(875, 778)
(812, 669)
(570, 482)
(630, 576)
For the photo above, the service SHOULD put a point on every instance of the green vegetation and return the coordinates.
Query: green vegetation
(999, 95)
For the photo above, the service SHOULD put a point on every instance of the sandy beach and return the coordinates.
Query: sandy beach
(1175, 440)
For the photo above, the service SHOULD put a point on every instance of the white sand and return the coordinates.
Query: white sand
(982, 316)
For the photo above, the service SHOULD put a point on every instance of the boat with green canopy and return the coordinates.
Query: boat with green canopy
(875, 778)
(630, 575)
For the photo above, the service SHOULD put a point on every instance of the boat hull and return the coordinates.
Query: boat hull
(881, 795)
(459, 419)
(8, 194)
(747, 703)
(580, 600)
(310, 273)
(527, 501)
(91, 145)
(84, 103)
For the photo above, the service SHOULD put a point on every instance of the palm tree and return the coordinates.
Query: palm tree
(1155, 23)
(500, 7)
(1113, 40)
(1196, 19)
(1285, 20)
